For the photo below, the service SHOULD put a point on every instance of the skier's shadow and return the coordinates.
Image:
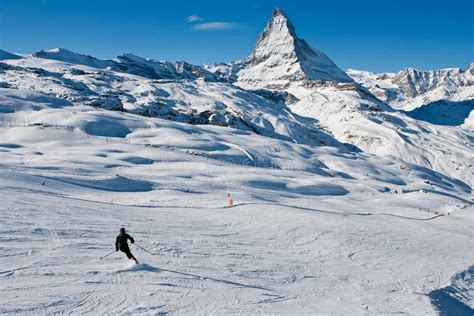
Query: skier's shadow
(146, 267)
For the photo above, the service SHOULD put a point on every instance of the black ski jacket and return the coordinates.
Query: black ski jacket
(121, 242)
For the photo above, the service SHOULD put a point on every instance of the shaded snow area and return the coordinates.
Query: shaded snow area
(456, 299)
(313, 230)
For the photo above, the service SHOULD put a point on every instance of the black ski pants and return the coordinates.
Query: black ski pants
(128, 253)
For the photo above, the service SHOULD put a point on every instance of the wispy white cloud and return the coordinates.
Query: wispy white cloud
(194, 18)
(217, 26)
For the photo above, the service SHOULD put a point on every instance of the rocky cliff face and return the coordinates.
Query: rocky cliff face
(414, 82)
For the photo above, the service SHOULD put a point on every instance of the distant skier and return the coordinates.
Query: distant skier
(122, 244)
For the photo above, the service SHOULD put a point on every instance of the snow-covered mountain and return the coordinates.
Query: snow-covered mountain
(227, 71)
(181, 94)
(284, 90)
(310, 223)
(411, 88)
(132, 64)
(350, 112)
(281, 59)
(7, 55)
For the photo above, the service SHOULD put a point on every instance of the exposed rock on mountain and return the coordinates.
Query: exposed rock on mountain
(280, 59)
(412, 88)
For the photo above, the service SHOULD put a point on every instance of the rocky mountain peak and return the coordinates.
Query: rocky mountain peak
(278, 37)
(280, 58)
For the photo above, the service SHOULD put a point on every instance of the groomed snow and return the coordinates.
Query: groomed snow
(257, 258)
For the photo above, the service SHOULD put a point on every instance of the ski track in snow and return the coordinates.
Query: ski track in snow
(233, 206)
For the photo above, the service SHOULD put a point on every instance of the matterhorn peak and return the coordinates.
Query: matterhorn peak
(279, 36)
(277, 11)
(280, 58)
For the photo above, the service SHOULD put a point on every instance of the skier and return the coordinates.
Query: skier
(122, 244)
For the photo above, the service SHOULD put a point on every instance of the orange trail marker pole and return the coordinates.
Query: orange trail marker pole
(230, 201)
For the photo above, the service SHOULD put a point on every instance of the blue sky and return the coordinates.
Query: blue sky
(381, 35)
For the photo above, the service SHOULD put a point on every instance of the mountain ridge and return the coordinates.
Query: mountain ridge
(410, 88)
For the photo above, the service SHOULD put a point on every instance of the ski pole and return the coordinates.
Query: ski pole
(107, 255)
(144, 249)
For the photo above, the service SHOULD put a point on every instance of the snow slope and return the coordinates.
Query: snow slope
(196, 101)
(239, 260)
(314, 230)
(444, 112)
(455, 298)
(352, 118)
